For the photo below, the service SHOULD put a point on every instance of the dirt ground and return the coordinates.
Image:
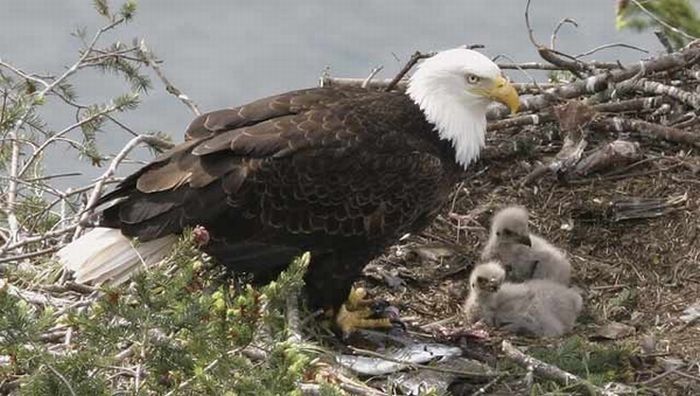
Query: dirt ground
(639, 272)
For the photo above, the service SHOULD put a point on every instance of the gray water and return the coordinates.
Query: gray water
(223, 53)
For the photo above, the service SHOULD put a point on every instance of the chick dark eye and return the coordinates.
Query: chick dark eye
(472, 79)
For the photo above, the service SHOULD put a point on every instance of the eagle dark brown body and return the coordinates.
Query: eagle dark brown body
(339, 172)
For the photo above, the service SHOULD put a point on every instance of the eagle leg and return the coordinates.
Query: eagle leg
(356, 312)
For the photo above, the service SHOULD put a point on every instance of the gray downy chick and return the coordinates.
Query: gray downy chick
(538, 307)
(484, 282)
(524, 255)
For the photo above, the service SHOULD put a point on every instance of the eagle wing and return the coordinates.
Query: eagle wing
(304, 168)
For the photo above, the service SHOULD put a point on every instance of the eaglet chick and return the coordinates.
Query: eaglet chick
(524, 255)
(538, 307)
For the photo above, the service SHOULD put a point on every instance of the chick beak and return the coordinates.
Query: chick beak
(525, 240)
(504, 92)
(492, 285)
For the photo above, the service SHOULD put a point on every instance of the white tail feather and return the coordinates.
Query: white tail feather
(104, 255)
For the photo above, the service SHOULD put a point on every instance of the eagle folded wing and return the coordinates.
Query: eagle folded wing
(299, 163)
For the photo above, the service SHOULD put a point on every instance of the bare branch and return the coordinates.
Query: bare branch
(663, 39)
(35, 253)
(13, 135)
(62, 378)
(636, 104)
(22, 74)
(28, 163)
(552, 40)
(407, 67)
(371, 75)
(620, 124)
(662, 22)
(611, 45)
(12, 188)
(39, 238)
(97, 190)
(327, 81)
(148, 57)
(530, 31)
(548, 371)
(602, 81)
(656, 88)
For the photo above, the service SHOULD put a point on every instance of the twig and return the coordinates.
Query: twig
(658, 377)
(620, 124)
(657, 88)
(602, 81)
(62, 378)
(548, 371)
(529, 65)
(530, 31)
(407, 67)
(663, 39)
(293, 321)
(12, 189)
(22, 74)
(56, 176)
(30, 255)
(327, 81)
(482, 390)
(636, 104)
(371, 75)
(662, 22)
(611, 155)
(315, 389)
(150, 61)
(97, 190)
(28, 163)
(553, 38)
(68, 286)
(550, 54)
(611, 45)
(188, 381)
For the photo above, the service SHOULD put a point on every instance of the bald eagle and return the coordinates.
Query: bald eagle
(340, 172)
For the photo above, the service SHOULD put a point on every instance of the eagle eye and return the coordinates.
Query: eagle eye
(472, 79)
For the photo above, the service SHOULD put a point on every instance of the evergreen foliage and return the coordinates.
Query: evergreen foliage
(597, 363)
(184, 326)
(680, 14)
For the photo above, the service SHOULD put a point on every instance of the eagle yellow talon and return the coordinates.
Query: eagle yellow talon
(355, 313)
(357, 300)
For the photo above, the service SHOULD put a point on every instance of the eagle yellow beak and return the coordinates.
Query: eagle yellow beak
(503, 92)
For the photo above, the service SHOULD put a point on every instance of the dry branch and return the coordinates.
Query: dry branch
(97, 190)
(614, 154)
(411, 62)
(147, 56)
(657, 88)
(600, 82)
(573, 118)
(327, 81)
(621, 124)
(548, 371)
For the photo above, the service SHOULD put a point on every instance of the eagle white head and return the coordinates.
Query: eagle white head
(453, 88)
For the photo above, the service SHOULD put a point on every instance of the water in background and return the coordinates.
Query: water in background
(223, 53)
